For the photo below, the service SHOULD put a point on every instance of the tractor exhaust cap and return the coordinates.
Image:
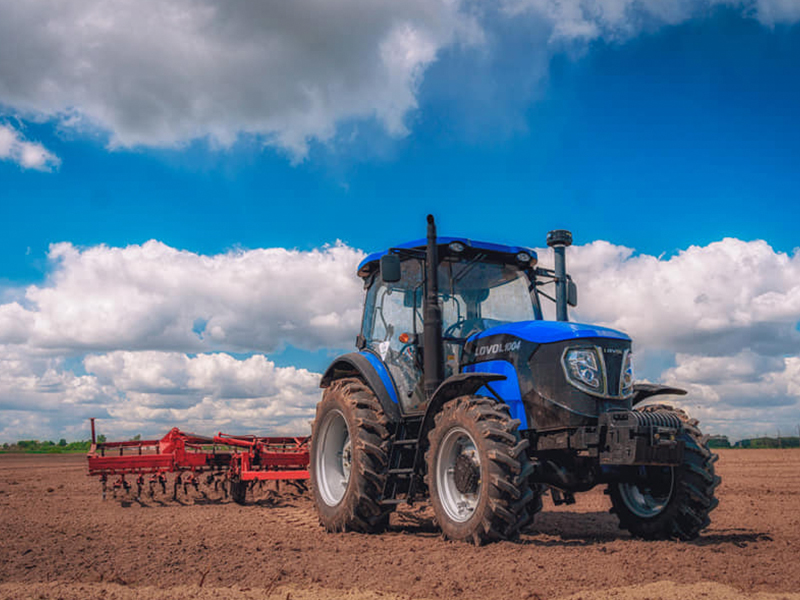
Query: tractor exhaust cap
(558, 240)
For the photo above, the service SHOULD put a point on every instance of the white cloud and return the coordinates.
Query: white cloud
(715, 300)
(207, 391)
(155, 73)
(149, 392)
(161, 73)
(740, 395)
(153, 297)
(113, 333)
(586, 20)
(28, 155)
(139, 310)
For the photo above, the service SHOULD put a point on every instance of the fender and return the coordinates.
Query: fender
(642, 391)
(371, 369)
(462, 384)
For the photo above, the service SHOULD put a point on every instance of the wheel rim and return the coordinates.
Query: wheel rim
(334, 457)
(457, 449)
(648, 501)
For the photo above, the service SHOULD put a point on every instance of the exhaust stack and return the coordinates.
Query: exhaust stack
(432, 334)
(558, 240)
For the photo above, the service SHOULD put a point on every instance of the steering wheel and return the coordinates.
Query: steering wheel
(467, 326)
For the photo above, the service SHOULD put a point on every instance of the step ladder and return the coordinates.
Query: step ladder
(402, 481)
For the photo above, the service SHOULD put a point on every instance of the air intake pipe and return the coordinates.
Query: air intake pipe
(558, 240)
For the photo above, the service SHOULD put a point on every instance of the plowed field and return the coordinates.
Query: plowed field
(59, 539)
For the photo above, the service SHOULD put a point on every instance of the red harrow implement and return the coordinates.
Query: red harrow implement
(234, 462)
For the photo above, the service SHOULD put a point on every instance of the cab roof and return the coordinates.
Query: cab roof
(370, 263)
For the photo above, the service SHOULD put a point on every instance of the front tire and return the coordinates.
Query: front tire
(478, 471)
(676, 501)
(349, 457)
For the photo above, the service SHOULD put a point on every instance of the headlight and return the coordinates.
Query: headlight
(456, 247)
(626, 387)
(581, 367)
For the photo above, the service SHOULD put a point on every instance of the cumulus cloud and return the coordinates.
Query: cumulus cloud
(704, 300)
(144, 336)
(134, 335)
(28, 155)
(160, 73)
(149, 392)
(153, 297)
(154, 73)
(207, 391)
(586, 20)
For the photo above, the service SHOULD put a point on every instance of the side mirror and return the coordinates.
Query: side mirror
(572, 293)
(390, 268)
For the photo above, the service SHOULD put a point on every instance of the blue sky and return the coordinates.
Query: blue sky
(652, 130)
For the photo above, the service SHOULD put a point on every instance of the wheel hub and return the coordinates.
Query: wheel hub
(458, 474)
(466, 474)
(649, 496)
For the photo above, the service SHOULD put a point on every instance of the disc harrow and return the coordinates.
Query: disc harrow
(230, 464)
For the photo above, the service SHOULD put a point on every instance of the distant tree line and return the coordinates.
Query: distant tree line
(721, 441)
(769, 442)
(50, 447)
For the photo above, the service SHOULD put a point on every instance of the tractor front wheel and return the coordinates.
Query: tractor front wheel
(478, 471)
(349, 458)
(670, 502)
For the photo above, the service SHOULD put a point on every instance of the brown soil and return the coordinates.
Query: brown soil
(59, 539)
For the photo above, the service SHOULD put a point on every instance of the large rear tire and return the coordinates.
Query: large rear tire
(478, 471)
(349, 457)
(675, 502)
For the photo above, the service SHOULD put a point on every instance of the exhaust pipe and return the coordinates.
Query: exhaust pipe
(558, 240)
(432, 334)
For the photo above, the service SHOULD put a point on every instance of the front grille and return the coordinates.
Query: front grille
(612, 359)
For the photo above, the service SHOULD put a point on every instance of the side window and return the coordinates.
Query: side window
(391, 318)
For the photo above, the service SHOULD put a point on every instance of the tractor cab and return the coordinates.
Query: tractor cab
(480, 286)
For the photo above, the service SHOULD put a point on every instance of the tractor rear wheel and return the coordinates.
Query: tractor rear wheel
(670, 502)
(349, 458)
(478, 471)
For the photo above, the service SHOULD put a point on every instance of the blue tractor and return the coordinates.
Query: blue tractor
(462, 393)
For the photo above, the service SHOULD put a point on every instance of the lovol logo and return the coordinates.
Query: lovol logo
(497, 348)
(613, 350)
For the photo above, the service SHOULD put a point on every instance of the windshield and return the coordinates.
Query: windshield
(474, 295)
(483, 295)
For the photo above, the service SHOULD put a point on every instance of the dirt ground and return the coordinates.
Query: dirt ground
(60, 540)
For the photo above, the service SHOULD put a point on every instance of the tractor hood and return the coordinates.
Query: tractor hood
(546, 332)
(532, 356)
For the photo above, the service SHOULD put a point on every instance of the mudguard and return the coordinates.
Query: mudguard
(642, 391)
(371, 369)
(462, 384)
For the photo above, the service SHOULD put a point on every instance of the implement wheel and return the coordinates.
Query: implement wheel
(348, 458)
(478, 471)
(670, 502)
